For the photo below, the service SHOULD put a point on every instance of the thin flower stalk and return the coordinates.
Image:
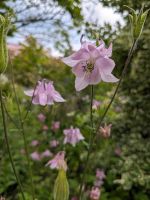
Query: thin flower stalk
(8, 147)
(23, 132)
(127, 62)
(90, 142)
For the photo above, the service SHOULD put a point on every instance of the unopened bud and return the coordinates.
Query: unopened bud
(61, 187)
(105, 131)
(137, 21)
(4, 27)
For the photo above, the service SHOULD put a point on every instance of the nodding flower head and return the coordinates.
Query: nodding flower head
(105, 131)
(44, 93)
(58, 162)
(72, 136)
(91, 64)
(95, 193)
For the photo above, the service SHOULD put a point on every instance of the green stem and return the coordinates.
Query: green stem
(8, 147)
(23, 133)
(10, 117)
(90, 144)
(119, 83)
(127, 62)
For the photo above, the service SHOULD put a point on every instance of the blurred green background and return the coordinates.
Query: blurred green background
(125, 156)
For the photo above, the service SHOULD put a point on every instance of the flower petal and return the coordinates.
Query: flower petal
(79, 70)
(105, 64)
(94, 77)
(36, 100)
(80, 83)
(109, 78)
(29, 92)
(77, 57)
(43, 99)
(58, 98)
(69, 61)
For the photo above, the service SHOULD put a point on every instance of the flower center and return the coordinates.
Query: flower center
(88, 66)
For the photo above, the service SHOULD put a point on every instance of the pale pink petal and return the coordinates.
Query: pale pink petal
(80, 83)
(93, 51)
(79, 70)
(43, 99)
(105, 64)
(94, 77)
(69, 61)
(36, 100)
(58, 98)
(82, 54)
(85, 45)
(109, 50)
(29, 92)
(109, 78)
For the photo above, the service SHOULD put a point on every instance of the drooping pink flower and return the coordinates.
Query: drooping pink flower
(72, 136)
(54, 143)
(55, 125)
(105, 131)
(44, 93)
(95, 193)
(46, 153)
(45, 128)
(34, 143)
(96, 104)
(100, 174)
(58, 161)
(41, 117)
(35, 156)
(91, 64)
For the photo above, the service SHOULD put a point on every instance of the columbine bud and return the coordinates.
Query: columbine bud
(137, 22)
(61, 187)
(105, 131)
(4, 27)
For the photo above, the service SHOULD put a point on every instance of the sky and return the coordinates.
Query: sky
(92, 13)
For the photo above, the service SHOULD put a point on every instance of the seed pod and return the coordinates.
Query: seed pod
(61, 187)
(4, 27)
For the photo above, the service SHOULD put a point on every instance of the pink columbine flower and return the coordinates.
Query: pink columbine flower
(35, 156)
(54, 143)
(44, 93)
(46, 153)
(95, 193)
(105, 131)
(41, 117)
(96, 104)
(55, 125)
(72, 136)
(58, 161)
(34, 143)
(100, 174)
(91, 64)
